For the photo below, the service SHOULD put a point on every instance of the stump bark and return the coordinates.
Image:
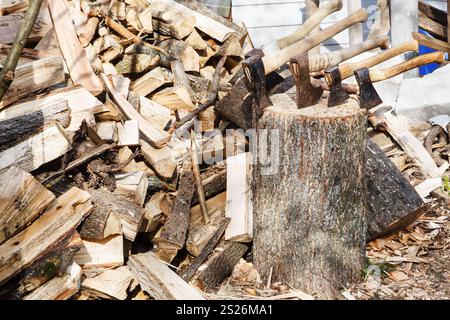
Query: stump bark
(310, 216)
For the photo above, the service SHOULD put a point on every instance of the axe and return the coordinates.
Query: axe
(302, 65)
(369, 97)
(236, 105)
(334, 76)
(313, 21)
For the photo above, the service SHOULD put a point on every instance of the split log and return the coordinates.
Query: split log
(87, 32)
(79, 67)
(23, 198)
(164, 57)
(17, 129)
(107, 130)
(221, 265)
(55, 263)
(10, 6)
(128, 133)
(207, 249)
(137, 63)
(182, 51)
(111, 284)
(178, 22)
(174, 233)
(106, 253)
(318, 187)
(156, 137)
(153, 213)
(196, 41)
(159, 281)
(161, 160)
(239, 207)
(150, 82)
(157, 114)
(34, 76)
(132, 186)
(174, 98)
(37, 150)
(61, 288)
(32, 243)
(112, 215)
(393, 203)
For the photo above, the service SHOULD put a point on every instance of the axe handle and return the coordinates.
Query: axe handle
(312, 22)
(273, 62)
(348, 68)
(380, 75)
(323, 61)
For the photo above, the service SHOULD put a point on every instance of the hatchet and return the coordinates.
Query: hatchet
(302, 65)
(334, 76)
(369, 97)
(313, 21)
(236, 104)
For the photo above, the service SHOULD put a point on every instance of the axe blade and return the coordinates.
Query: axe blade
(307, 93)
(368, 96)
(338, 95)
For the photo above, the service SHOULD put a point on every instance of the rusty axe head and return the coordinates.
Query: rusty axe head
(307, 93)
(338, 95)
(368, 96)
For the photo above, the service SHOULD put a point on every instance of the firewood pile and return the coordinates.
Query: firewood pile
(96, 161)
(125, 171)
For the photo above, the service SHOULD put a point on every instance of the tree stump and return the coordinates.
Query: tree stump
(310, 216)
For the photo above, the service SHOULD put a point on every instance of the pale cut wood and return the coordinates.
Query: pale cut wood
(411, 145)
(59, 288)
(132, 186)
(10, 6)
(10, 24)
(22, 199)
(77, 62)
(153, 213)
(111, 284)
(39, 149)
(106, 253)
(159, 281)
(93, 58)
(145, 18)
(150, 81)
(239, 198)
(178, 21)
(88, 30)
(34, 76)
(128, 133)
(107, 130)
(155, 136)
(174, 98)
(161, 160)
(196, 41)
(157, 114)
(60, 219)
(78, 99)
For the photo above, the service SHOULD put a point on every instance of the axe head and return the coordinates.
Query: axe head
(368, 96)
(338, 95)
(307, 93)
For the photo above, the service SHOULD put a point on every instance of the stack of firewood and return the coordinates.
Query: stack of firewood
(94, 166)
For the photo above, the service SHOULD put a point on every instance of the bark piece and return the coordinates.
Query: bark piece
(23, 198)
(309, 197)
(159, 281)
(60, 219)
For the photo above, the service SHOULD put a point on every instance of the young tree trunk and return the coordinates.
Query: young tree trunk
(310, 215)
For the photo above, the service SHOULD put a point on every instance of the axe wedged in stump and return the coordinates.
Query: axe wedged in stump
(309, 93)
(236, 105)
(334, 76)
(368, 96)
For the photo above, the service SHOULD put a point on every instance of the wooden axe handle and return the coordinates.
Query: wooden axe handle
(380, 75)
(348, 68)
(273, 62)
(322, 61)
(312, 22)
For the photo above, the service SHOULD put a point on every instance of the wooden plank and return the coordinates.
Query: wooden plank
(39, 149)
(434, 28)
(34, 76)
(23, 198)
(59, 288)
(106, 253)
(77, 62)
(158, 138)
(159, 281)
(431, 42)
(60, 219)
